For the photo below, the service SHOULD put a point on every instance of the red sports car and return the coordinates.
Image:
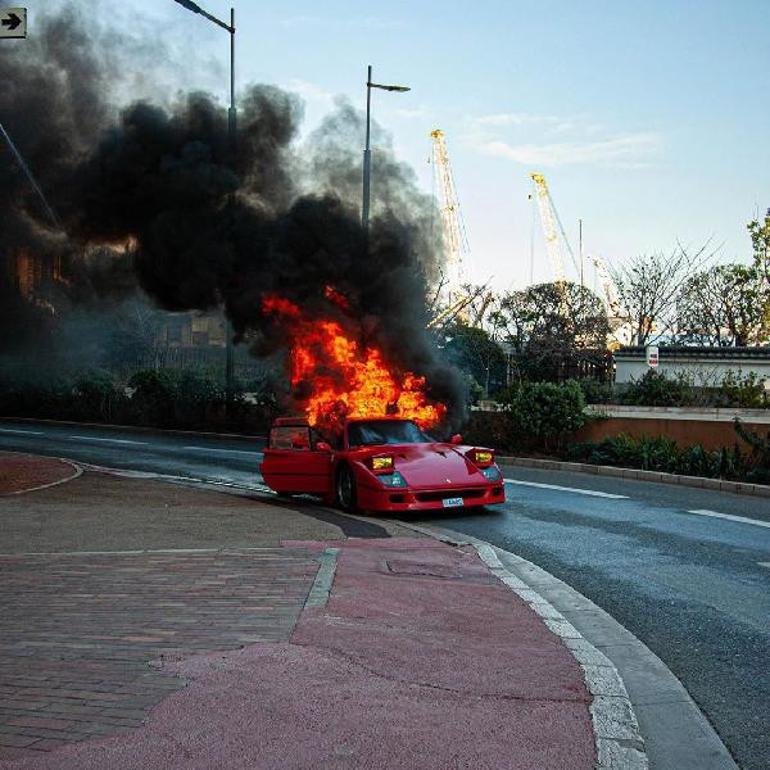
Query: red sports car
(382, 464)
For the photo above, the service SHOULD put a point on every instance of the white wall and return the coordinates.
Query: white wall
(705, 372)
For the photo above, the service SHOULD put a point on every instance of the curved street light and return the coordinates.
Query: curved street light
(367, 150)
(231, 135)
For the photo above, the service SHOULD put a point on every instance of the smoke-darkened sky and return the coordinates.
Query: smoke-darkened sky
(153, 189)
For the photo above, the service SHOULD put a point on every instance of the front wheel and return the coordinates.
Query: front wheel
(346, 490)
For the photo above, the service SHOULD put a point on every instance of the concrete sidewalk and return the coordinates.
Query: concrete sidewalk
(420, 658)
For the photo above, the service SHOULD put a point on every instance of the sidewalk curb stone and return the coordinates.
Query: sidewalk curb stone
(76, 467)
(619, 744)
(720, 485)
(322, 585)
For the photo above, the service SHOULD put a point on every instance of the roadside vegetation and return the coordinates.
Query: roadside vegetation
(162, 398)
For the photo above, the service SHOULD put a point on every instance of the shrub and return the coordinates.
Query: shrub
(152, 399)
(662, 454)
(97, 397)
(744, 391)
(542, 413)
(759, 460)
(595, 391)
(656, 389)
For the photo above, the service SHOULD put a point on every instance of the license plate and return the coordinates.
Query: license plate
(453, 502)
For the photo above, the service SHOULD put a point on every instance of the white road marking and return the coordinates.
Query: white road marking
(223, 451)
(109, 440)
(25, 432)
(589, 492)
(730, 517)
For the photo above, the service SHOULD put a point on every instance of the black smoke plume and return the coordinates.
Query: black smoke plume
(154, 193)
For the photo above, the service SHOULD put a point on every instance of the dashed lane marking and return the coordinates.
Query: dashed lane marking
(589, 492)
(223, 451)
(730, 517)
(107, 440)
(25, 432)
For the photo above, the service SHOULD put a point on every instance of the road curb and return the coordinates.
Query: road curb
(78, 471)
(619, 743)
(718, 485)
(138, 429)
(685, 742)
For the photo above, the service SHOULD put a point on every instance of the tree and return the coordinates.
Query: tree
(553, 329)
(727, 305)
(760, 240)
(648, 287)
(473, 351)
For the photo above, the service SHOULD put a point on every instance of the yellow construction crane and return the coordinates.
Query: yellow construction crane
(453, 227)
(552, 229)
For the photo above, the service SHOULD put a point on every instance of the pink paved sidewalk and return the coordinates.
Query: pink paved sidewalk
(22, 472)
(420, 659)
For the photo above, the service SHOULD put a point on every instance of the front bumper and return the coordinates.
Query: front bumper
(407, 499)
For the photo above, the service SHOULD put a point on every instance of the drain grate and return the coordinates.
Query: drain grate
(420, 569)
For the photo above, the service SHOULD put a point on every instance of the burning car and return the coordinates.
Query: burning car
(380, 464)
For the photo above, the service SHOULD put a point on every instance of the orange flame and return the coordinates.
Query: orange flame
(345, 379)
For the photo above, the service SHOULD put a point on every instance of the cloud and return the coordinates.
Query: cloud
(310, 92)
(634, 150)
(502, 119)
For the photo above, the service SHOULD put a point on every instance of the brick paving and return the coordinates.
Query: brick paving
(20, 472)
(78, 631)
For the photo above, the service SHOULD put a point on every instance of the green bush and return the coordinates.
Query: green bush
(759, 459)
(97, 397)
(595, 391)
(152, 398)
(744, 391)
(656, 389)
(186, 399)
(659, 453)
(542, 413)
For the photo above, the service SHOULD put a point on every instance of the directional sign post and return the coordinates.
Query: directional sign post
(13, 22)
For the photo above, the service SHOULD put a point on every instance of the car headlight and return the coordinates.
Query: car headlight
(492, 473)
(394, 479)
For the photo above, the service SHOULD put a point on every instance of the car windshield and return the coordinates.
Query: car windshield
(385, 432)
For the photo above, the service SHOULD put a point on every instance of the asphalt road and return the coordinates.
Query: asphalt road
(692, 585)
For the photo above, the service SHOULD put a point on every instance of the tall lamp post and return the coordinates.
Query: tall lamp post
(367, 150)
(231, 132)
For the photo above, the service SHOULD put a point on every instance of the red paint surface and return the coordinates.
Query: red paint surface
(401, 669)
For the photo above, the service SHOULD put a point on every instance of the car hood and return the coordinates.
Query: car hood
(432, 465)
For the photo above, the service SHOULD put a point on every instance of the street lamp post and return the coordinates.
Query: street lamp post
(232, 140)
(367, 150)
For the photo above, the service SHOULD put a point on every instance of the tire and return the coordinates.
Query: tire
(345, 490)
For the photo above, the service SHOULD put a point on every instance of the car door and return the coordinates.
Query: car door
(293, 463)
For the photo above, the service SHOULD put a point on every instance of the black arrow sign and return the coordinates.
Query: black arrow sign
(12, 21)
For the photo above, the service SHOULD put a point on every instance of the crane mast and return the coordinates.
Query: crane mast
(453, 228)
(549, 222)
(608, 286)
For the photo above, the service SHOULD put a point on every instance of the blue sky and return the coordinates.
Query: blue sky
(650, 120)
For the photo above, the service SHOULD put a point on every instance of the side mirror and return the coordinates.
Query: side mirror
(322, 446)
(456, 439)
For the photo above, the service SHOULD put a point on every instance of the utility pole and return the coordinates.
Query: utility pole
(367, 148)
(580, 238)
(232, 141)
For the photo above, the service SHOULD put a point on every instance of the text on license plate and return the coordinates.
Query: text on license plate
(453, 502)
